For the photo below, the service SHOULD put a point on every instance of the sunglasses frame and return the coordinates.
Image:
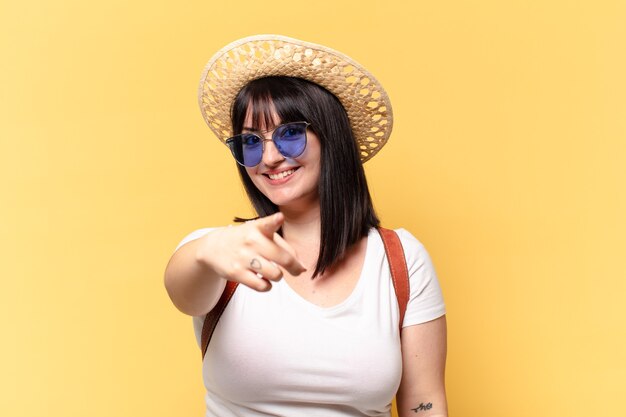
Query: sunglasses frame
(263, 140)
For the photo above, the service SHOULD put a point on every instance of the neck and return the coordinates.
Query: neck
(302, 226)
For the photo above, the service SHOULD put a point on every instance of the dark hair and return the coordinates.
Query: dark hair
(346, 208)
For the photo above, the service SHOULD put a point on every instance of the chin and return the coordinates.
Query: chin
(281, 200)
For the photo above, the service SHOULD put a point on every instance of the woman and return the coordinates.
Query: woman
(313, 328)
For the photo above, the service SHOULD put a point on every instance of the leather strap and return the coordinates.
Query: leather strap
(397, 265)
(210, 321)
(399, 277)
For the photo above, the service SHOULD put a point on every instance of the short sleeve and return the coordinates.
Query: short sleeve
(425, 299)
(196, 234)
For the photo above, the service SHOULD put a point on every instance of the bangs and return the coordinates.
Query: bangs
(266, 97)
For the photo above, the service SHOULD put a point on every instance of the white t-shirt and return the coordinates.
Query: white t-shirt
(276, 354)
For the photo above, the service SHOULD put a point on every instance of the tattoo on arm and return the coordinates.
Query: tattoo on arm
(422, 406)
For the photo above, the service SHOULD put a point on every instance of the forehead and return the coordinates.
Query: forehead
(261, 115)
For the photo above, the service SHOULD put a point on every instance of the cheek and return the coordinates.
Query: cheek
(256, 180)
(250, 172)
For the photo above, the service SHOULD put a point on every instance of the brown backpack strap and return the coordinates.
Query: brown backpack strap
(210, 321)
(399, 277)
(397, 265)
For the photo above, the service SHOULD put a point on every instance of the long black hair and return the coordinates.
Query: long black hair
(346, 208)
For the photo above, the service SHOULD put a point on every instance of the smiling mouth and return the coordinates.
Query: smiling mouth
(282, 174)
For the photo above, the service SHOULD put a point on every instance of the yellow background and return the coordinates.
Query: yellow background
(507, 161)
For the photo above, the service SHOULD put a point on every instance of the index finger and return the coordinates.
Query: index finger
(268, 225)
(296, 265)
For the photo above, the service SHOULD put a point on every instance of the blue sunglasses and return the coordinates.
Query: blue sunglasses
(289, 139)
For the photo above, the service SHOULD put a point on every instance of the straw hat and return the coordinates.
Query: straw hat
(247, 59)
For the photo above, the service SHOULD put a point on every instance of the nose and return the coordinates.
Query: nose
(271, 155)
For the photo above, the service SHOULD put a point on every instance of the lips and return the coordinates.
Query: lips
(279, 177)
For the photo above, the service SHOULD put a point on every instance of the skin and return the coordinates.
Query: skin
(422, 390)
(196, 274)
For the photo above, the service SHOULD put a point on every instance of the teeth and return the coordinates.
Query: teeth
(281, 175)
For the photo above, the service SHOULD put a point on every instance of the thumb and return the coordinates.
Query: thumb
(270, 224)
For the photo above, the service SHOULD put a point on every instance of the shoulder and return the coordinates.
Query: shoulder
(196, 234)
(414, 250)
(416, 255)
(407, 238)
(426, 298)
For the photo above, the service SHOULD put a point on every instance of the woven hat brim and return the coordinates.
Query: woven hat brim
(232, 67)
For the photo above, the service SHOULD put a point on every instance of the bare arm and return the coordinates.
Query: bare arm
(193, 286)
(422, 391)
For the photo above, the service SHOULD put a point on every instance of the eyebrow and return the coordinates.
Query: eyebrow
(255, 130)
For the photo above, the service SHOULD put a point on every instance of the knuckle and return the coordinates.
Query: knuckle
(250, 239)
(234, 269)
(244, 255)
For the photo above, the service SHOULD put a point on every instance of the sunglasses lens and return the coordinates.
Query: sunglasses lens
(247, 149)
(290, 139)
